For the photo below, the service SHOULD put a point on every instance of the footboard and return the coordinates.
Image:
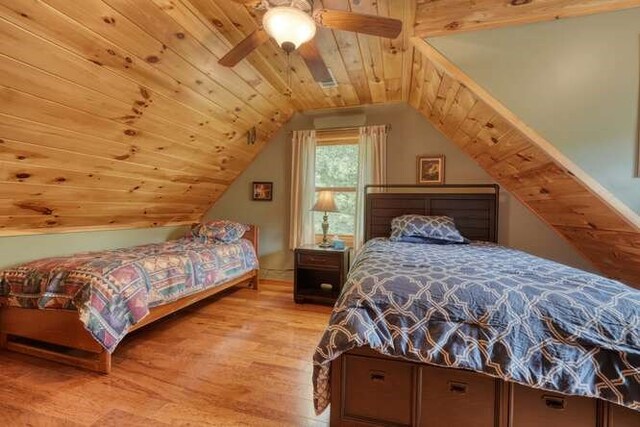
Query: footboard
(25, 330)
(370, 389)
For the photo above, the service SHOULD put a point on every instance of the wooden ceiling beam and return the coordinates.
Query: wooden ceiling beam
(439, 18)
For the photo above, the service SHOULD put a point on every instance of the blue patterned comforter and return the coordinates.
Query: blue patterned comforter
(489, 309)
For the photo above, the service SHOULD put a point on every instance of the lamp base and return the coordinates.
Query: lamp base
(325, 230)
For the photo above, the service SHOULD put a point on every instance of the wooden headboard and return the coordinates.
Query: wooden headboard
(473, 207)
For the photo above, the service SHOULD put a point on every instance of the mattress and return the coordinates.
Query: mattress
(490, 309)
(113, 290)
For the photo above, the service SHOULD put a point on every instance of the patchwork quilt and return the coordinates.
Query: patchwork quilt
(113, 290)
(489, 309)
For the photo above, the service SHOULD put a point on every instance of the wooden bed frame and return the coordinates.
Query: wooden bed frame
(368, 388)
(59, 335)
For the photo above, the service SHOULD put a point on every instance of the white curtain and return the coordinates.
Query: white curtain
(372, 169)
(303, 175)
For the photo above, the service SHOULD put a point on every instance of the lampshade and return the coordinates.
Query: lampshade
(289, 26)
(325, 202)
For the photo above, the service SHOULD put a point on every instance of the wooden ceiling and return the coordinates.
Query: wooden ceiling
(439, 18)
(115, 113)
(603, 229)
(368, 69)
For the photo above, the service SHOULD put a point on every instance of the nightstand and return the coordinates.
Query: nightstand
(319, 274)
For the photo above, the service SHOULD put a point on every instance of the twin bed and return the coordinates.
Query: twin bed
(474, 334)
(76, 309)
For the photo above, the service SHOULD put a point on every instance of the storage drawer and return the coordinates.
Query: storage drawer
(451, 397)
(378, 390)
(535, 408)
(619, 416)
(307, 259)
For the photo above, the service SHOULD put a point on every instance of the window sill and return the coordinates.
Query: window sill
(348, 238)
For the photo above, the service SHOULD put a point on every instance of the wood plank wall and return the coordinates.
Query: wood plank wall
(603, 229)
(439, 18)
(115, 113)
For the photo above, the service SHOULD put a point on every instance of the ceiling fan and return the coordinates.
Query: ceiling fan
(293, 23)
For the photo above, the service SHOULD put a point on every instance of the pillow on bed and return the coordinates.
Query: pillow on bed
(425, 229)
(219, 231)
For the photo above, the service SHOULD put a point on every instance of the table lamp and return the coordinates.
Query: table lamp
(325, 203)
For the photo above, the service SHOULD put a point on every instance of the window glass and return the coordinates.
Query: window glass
(337, 167)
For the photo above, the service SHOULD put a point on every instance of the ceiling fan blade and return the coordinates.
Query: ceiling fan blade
(311, 55)
(360, 23)
(244, 48)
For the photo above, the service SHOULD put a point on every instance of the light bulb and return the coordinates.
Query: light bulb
(290, 27)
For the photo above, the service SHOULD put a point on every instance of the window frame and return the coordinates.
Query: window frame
(349, 136)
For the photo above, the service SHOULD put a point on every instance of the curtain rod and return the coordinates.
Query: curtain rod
(387, 126)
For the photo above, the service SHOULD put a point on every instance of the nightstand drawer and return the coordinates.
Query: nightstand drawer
(307, 259)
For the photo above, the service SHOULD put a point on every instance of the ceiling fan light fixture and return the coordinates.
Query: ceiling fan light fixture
(289, 26)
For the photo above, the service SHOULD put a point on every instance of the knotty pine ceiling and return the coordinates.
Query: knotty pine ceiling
(599, 226)
(115, 113)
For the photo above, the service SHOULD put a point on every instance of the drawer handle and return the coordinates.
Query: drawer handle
(554, 402)
(456, 387)
(377, 376)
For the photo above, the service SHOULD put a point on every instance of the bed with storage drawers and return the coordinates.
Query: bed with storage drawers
(474, 334)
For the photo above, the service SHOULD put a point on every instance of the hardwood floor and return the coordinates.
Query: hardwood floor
(243, 358)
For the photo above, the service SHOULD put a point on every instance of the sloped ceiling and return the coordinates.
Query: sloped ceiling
(438, 18)
(604, 230)
(115, 113)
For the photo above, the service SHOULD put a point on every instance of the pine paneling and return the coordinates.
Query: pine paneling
(603, 229)
(439, 18)
(115, 113)
(106, 122)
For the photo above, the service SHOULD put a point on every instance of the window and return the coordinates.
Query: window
(337, 170)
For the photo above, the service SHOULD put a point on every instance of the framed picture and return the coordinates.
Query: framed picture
(262, 191)
(430, 170)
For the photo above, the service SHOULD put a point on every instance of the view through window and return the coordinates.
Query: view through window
(337, 170)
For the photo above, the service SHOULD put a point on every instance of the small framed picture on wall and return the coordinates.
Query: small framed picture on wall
(262, 191)
(430, 170)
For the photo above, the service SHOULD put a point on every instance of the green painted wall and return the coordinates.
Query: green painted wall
(575, 81)
(410, 136)
(272, 164)
(19, 249)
